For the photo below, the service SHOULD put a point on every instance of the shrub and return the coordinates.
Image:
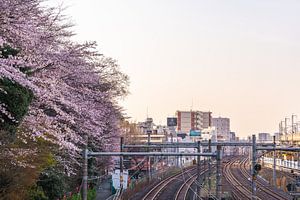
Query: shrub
(53, 183)
(36, 193)
(17, 99)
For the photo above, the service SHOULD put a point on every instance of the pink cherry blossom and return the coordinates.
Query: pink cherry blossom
(76, 88)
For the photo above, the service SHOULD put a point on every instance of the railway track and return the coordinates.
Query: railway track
(237, 173)
(263, 187)
(182, 192)
(168, 188)
(240, 188)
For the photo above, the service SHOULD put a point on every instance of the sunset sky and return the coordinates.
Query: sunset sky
(238, 59)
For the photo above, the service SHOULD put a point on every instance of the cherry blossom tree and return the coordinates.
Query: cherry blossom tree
(76, 89)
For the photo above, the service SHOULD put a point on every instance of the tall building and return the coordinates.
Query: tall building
(192, 120)
(222, 126)
(277, 136)
(232, 136)
(263, 137)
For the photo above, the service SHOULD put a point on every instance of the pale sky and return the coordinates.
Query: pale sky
(238, 59)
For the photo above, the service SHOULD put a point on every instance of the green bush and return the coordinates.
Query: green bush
(53, 183)
(91, 195)
(36, 193)
(6, 51)
(75, 197)
(17, 98)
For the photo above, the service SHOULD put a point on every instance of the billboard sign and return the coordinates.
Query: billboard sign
(171, 121)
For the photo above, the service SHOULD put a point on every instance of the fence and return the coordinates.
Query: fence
(283, 163)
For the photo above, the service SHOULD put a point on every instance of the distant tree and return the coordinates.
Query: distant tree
(130, 132)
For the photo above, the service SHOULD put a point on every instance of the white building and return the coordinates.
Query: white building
(232, 136)
(264, 137)
(222, 126)
(277, 136)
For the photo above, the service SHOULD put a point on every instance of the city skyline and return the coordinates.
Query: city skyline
(237, 59)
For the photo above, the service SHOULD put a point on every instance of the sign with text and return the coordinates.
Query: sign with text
(172, 121)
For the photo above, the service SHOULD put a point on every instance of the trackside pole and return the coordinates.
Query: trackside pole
(253, 183)
(149, 158)
(198, 173)
(218, 173)
(298, 162)
(85, 171)
(274, 163)
(209, 169)
(121, 162)
(250, 158)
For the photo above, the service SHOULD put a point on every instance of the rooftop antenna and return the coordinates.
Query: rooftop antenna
(192, 105)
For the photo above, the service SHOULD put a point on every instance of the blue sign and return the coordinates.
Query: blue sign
(195, 133)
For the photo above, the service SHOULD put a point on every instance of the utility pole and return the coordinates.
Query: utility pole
(250, 158)
(121, 162)
(209, 169)
(298, 162)
(85, 170)
(198, 173)
(274, 163)
(218, 173)
(149, 158)
(253, 183)
(177, 150)
(172, 150)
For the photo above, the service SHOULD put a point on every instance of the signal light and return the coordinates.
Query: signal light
(257, 168)
(194, 162)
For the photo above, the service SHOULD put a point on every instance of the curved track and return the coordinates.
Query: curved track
(240, 186)
(174, 187)
(157, 189)
(182, 192)
(237, 173)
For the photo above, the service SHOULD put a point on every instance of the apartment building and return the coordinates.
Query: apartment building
(192, 120)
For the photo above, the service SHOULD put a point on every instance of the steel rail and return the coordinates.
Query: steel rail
(153, 193)
(182, 192)
(237, 185)
(262, 186)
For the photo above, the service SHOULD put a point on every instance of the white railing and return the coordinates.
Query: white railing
(283, 163)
